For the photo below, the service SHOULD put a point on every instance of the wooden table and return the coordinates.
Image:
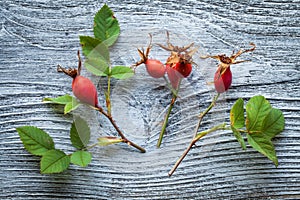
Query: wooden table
(38, 35)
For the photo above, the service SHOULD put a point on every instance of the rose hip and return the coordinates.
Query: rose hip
(223, 76)
(174, 76)
(82, 87)
(184, 68)
(155, 68)
(179, 63)
(222, 81)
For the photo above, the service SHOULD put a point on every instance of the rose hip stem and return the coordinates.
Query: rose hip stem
(192, 143)
(201, 116)
(163, 129)
(112, 121)
(180, 57)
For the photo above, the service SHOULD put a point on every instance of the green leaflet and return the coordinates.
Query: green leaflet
(239, 137)
(257, 109)
(81, 158)
(121, 72)
(35, 140)
(273, 123)
(97, 55)
(263, 145)
(106, 26)
(237, 118)
(54, 161)
(262, 124)
(80, 133)
(70, 102)
(60, 100)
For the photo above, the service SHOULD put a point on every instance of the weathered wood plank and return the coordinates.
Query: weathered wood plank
(36, 36)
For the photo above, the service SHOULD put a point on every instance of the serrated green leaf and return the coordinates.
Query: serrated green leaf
(97, 66)
(104, 141)
(263, 123)
(60, 99)
(257, 109)
(54, 161)
(35, 140)
(273, 123)
(88, 44)
(81, 158)
(71, 106)
(97, 55)
(111, 40)
(80, 133)
(237, 118)
(239, 137)
(263, 145)
(94, 48)
(106, 26)
(70, 102)
(121, 72)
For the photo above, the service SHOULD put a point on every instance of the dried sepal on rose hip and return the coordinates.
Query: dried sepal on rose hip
(82, 87)
(155, 68)
(179, 63)
(223, 75)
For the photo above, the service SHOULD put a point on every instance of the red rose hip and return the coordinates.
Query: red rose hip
(174, 76)
(85, 90)
(223, 80)
(155, 68)
(223, 76)
(184, 68)
(82, 87)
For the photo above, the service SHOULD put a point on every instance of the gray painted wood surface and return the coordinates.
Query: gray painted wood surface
(38, 35)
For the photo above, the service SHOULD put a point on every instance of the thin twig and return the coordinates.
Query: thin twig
(197, 136)
(107, 96)
(194, 140)
(125, 140)
(163, 129)
(166, 119)
(201, 116)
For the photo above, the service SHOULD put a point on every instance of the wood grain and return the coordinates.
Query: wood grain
(38, 35)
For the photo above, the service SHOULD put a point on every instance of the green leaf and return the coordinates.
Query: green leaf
(273, 123)
(257, 109)
(121, 72)
(94, 48)
(239, 137)
(105, 141)
(54, 161)
(97, 55)
(81, 158)
(237, 121)
(263, 123)
(106, 26)
(60, 100)
(237, 118)
(263, 145)
(70, 102)
(80, 133)
(71, 106)
(35, 140)
(88, 44)
(97, 66)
